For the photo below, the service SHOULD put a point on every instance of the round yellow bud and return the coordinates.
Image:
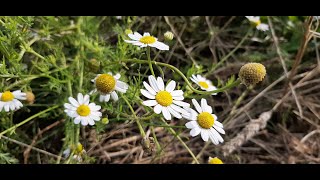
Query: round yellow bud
(168, 36)
(105, 120)
(30, 97)
(252, 73)
(128, 31)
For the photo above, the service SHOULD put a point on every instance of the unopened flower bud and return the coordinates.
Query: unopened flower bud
(252, 73)
(168, 36)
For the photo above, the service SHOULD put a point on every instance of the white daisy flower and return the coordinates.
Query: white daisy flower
(107, 85)
(146, 40)
(164, 99)
(9, 100)
(255, 20)
(204, 122)
(82, 111)
(204, 83)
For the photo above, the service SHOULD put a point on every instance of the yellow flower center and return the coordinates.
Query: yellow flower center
(7, 96)
(105, 83)
(256, 23)
(147, 39)
(164, 98)
(215, 161)
(205, 120)
(204, 84)
(83, 110)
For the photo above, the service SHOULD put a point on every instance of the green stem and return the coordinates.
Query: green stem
(228, 55)
(28, 119)
(182, 142)
(143, 134)
(235, 83)
(149, 61)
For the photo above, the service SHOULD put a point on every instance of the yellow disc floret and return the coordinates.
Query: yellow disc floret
(7, 96)
(164, 98)
(83, 110)
(205, 120)
(214, 160)
(204, 84)
(148, 40)
(105, 83)
(252, 73)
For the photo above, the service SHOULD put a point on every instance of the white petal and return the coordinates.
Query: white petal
(166, 113)
(129, 41)
(160, 83)
(157, 109)
(150, 103)
(153, 83)
(209, 109)
(181, 103)
(263, 27)
(194, 115)
(213, 138)
(114, 96)
(69, 106)
(160, 46)
(174, 113)
(192, 124)
(80, 98)
(77, 120)
(84, 121)
(132, 36)
(204, 105)
(94, 117)
(17, 103)
(177, 93)
(218, 123)
(219, 129)
(178, 98)
(7, 107)
(197, 106)
(170, 87)
(146, 34)
(86, 99)
(178, 109)
(90, 121)
(96, 113)
(193, 79)
(204, 135)
(94, 107)
(104, 98)
(149, 88)
(73, 102)
(138, 35)
(122, 85)
(216, 134)
(195, 131)
(12, 106)
(147, 94)
(215, 117)
(117, 76)
(120, 89)
(1, 105)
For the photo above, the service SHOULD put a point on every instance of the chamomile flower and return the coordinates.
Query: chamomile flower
(204, 122)
(146, 40)
(255, 20)
(10, 100)
(204, 83)
(164, 99)
(107, 85)
(82, 110)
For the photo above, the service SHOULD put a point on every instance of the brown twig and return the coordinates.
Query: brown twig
(26, 153)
